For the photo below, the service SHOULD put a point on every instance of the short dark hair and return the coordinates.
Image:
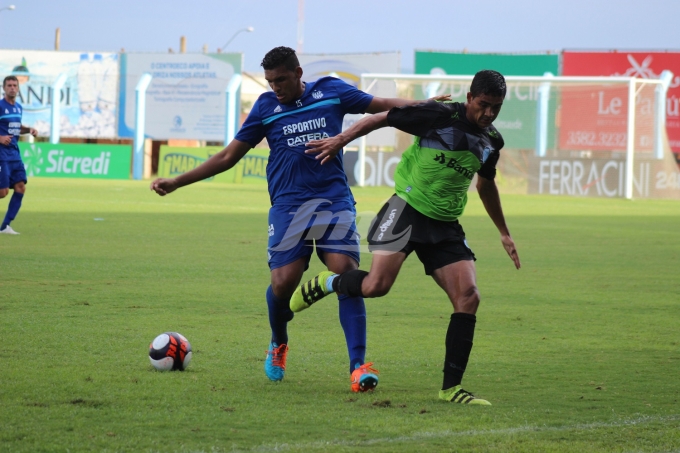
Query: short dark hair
(10, 77)
(280, 56)
(488, 82)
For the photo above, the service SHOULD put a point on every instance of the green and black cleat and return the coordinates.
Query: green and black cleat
(458, 395)
(310, 292)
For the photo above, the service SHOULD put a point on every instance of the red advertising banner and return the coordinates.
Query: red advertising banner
(595, 118)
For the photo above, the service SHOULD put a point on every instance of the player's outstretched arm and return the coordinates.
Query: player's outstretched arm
(378, 105)
(328, 148)
(488, 192)
(28, 130)
(218, 163)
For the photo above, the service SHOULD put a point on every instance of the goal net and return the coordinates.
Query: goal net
(574, 136)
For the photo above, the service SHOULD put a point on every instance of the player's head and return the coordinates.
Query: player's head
(488, 82)
(283, 73)
(485, 98)
(281, 56)
(10, 86)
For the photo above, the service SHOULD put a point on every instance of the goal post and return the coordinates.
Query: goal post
(564, 135)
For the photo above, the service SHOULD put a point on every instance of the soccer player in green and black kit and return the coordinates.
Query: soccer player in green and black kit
(453, 142)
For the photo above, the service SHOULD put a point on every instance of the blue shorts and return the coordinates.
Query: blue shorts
(12, 172)
(294, 230)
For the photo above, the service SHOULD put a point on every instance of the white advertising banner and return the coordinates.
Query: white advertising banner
(186, 97)
(349, 68)
(88, 98)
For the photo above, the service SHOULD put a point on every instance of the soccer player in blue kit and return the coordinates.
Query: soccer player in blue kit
(311, 204)
(12, 171)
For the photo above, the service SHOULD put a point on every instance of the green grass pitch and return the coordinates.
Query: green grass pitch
(578, 351)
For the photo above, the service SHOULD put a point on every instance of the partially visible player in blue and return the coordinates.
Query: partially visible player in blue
(311, 203)
(12, 171)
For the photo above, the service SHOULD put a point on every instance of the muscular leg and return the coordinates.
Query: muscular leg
(14, 203)
(377, 282)
(458, 280)
(284, 280)
(383, 273)
(20, 187)
(339, 262)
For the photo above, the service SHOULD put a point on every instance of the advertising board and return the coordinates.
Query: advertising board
(517, 120)
(252, 168)
(87, 100)
(76, 160)
(597, 118)
(186, 97)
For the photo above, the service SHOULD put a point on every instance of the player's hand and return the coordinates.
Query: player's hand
(163, 186)
(441, 98)
(33, 132)
(509, 246)
(326, 149)
(5, 139)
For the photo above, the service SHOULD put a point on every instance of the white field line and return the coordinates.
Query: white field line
(323, 445)
(448, 433)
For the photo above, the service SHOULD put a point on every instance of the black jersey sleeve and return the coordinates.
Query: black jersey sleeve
(488, 169)
(418, 119)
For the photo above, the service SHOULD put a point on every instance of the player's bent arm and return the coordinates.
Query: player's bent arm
(362, 127)
(218, 163)
(378, 105)
(328, 148)
(488, 193)
(28, 130)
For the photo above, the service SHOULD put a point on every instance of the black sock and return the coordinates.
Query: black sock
(349, 283)
(458, 346)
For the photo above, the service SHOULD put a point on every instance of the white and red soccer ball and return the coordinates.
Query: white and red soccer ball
(170, 351)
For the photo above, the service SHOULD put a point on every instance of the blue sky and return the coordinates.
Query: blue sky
(333, 26)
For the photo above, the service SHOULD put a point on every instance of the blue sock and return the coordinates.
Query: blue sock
(12, 209)
(353, 321)
(279, 315)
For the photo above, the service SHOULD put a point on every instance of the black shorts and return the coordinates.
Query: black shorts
(399, 227)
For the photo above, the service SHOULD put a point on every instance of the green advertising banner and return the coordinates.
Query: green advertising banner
(77, 160)
(251, 169)
(470, 63)
(517, 120)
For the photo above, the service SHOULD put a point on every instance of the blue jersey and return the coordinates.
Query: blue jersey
(10, 124)
(293, 176)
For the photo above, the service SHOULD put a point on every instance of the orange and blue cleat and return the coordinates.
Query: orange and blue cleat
(364, 378)
(275, 362)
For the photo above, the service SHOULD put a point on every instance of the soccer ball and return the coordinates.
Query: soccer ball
(170, 351)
